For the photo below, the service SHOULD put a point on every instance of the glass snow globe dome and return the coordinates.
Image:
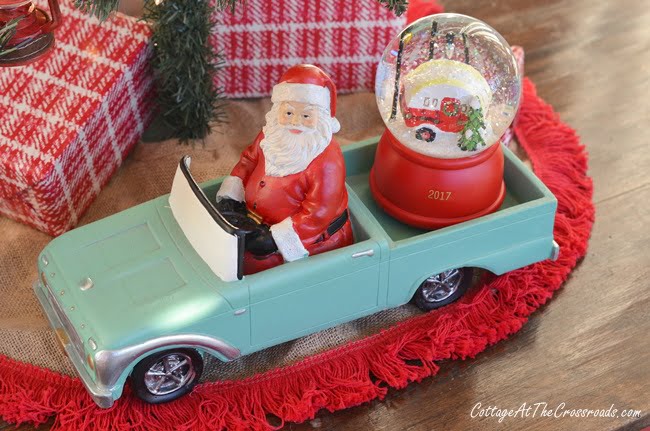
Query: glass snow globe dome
(448, 86)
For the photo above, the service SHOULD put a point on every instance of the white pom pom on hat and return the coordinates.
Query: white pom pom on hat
(306, 83)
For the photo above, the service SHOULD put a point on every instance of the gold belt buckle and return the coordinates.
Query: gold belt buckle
(255, 216)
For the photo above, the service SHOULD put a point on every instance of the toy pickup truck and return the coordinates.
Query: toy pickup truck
(140, 295)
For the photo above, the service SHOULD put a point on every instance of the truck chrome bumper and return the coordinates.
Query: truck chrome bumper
(102, 396)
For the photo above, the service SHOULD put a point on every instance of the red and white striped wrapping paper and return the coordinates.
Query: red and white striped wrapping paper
(68, 121)
(263, 39)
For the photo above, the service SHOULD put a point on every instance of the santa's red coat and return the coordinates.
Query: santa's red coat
(313, 199)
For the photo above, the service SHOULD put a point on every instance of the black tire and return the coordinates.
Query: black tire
(434, 293)
(425, 134)
(144, 380)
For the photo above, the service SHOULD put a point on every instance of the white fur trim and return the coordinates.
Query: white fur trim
(303, 93)
(336, 126)
(288, 241)
(232, 187)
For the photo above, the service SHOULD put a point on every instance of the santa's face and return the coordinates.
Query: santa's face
(296, 116)
(295, 133)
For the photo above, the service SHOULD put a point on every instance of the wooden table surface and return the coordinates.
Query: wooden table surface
(589, 347)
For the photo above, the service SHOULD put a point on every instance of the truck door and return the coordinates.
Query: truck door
(301, 297)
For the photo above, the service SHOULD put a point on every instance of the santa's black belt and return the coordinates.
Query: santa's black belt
(338, 223)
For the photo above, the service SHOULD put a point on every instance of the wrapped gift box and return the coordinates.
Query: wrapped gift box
(260, 42)
(68, 121)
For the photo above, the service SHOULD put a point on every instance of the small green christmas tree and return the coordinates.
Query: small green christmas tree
(470, 136)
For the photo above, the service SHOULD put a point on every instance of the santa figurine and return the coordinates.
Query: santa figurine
(291, 179)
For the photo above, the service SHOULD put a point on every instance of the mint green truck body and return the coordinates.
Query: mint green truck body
(129, 285)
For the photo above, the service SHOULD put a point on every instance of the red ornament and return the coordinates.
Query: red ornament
(34, 37)
(429, 192)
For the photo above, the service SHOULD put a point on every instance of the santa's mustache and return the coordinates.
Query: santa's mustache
(303, 129)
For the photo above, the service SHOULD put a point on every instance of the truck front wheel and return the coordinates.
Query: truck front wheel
(166, 376)
(443, 288)
(425, 134)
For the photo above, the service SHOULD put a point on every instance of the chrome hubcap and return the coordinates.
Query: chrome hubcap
(169, 374)
(441, 286)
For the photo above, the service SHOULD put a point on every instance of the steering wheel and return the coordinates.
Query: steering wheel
(259, 239)
(237, 215)
(241, 221)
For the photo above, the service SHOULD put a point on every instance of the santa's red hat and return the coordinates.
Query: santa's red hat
(306, 83)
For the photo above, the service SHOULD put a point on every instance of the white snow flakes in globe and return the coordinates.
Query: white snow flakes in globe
(442, 79)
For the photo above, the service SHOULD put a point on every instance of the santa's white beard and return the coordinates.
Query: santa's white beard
(286, 153)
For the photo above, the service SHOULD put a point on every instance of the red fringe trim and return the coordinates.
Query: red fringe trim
(359, 371)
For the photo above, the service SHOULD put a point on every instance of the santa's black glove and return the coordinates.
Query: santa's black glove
(260, 242)
(241, 222)
(228, 206)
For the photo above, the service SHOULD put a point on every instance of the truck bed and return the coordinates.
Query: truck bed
(396, 230)
(519, 233)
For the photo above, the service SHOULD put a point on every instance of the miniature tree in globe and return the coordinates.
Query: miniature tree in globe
(471, 136)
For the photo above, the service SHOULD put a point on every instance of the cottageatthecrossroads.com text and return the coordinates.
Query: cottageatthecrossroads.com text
(544, 410)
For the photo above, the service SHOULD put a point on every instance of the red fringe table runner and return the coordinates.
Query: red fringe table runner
(362, 370)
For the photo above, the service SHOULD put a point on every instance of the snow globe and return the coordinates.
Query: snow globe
(447, 87)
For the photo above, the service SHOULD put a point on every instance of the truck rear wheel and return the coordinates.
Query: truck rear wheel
(443, 288)
(166, 376)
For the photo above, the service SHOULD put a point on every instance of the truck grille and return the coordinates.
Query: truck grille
(77, 344)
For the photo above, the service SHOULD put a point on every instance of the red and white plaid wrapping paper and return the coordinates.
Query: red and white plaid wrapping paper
(262, 39)
(68, 121)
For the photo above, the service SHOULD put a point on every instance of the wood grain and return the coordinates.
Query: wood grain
(589, 347)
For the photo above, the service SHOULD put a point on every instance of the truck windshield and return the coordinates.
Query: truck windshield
(217, 242)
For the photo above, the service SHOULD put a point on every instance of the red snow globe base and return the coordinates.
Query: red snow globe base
(430, 193)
